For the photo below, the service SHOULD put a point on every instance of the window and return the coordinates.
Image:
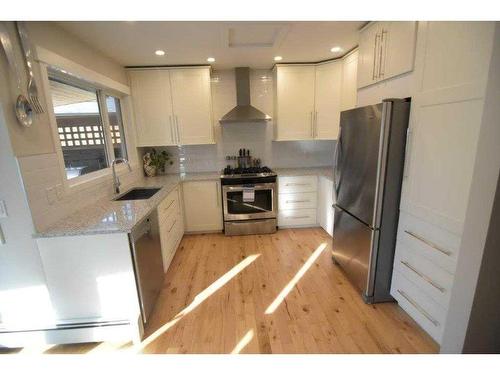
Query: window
(116, 127)
(89, 126)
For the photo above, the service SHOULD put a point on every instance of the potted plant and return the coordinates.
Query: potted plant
(155, 161)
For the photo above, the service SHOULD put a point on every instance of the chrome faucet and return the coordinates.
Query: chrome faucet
(116, 180)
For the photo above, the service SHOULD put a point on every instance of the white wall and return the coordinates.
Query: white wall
(35, 147)
(256, 137)
(481, 198)
(24, 298)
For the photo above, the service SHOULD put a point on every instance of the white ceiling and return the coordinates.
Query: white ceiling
(232, 44)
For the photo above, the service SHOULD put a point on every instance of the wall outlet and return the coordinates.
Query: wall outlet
(50, 192)
(3, 209)
(59, 191)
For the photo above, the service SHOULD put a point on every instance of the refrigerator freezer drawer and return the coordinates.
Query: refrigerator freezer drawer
(352, 247)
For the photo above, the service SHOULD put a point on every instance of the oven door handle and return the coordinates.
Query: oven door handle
(270, 186)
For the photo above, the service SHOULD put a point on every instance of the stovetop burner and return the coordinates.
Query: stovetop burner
(228, 171)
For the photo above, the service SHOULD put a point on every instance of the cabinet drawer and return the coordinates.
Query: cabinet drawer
(290, 201)
(170, 237)
(428, 240)
(423, 309)
(169, 205)
(430, 278)
(306, 216)
(297, 184)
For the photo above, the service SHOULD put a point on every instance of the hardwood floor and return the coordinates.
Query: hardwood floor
(277, 293)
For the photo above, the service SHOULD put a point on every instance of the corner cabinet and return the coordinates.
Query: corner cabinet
(172, 106)
(386, 49)
(307, 103)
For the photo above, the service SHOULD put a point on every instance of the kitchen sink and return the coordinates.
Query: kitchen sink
(137, 193)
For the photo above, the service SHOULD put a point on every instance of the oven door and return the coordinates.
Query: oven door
(263, 205)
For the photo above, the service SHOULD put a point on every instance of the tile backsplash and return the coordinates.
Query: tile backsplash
(255, 137)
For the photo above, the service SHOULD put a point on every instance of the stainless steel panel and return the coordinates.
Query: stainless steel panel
(236, 228)
(357, 161)
(148, 262)
(353, 242)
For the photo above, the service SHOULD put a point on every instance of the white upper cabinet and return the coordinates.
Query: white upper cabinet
(328, 87)
(348, 97)
(445, 119)
(151, 97)
(192, 105)
(172, 106)
(294, 112)
(308, 101)
(386, 49)
(369, 40)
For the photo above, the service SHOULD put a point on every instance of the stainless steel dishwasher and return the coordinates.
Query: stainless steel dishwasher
(148, 262)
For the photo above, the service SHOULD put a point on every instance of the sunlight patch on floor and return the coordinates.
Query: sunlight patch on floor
(202, 296)
(288, 288)
(243, 342)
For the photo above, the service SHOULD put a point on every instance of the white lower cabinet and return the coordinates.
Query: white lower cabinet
(171, 225)
(297, 201)
(202, 206)
(325, 203)
(90, 278)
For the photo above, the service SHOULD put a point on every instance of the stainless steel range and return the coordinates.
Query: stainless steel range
(249, 200)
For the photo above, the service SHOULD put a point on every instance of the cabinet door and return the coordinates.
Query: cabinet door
(152, 107)
(445, 120)
(295, 102)
(399, 40)
(325, 202)
(202, 206)
(369, 46)
(327, 100)
(192, 103)
(348, 96)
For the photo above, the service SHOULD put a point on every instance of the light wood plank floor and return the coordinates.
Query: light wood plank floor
(277, 293)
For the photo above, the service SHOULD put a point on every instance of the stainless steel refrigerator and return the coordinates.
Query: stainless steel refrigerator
(368, 173)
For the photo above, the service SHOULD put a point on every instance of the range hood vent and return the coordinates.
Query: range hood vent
(244, 111)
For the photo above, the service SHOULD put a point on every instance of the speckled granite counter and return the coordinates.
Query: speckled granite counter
(313, 171)
(108, 216)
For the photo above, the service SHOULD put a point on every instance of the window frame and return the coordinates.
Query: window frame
(82, 182)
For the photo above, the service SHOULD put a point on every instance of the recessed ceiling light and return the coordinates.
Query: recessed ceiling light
(211, 59)
(336, 49)
(159, 52)
(278, 58)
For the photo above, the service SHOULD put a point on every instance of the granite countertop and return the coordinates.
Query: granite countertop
(307, 171)
(108, 216)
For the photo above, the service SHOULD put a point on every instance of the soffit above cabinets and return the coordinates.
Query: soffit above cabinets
(232, 44)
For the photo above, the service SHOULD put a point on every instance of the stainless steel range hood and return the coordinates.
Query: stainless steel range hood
(244, 111)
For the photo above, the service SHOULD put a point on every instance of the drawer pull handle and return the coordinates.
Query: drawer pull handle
(426, 278)
(175, 221)
(433, 245)
(420, 309)
(298, 217)
(302, 201)
(171, 202)
(297, 184)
